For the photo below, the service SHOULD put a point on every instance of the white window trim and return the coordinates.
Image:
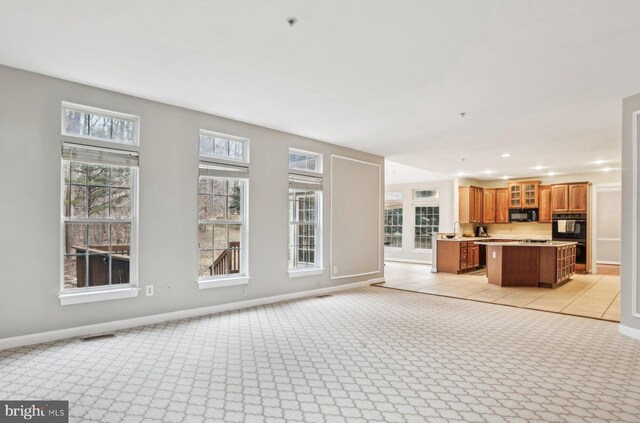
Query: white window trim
(301, 272)
(421, 250)
(95, 295)
(222, 282)
(319, 236)
(102, 293)
(320, 157)
(224, 159)
(393, 248)
(243, 277)
(110, 113)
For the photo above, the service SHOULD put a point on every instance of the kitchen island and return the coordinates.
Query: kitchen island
(526, 263)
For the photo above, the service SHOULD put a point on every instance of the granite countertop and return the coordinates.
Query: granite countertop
(527, 244)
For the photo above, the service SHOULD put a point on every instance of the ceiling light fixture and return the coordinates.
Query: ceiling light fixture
(506, 155)
(552, 173)
(460, 173)
(598, 162)
(489, 172)
(539, 167)
(606, 169)
(506, 177)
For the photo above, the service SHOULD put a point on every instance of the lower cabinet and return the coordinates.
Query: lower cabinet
(458, 256)
(557, 265)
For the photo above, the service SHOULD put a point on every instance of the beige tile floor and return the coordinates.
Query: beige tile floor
(596, 296)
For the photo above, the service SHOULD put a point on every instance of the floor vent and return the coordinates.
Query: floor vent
(324, 296)
(98, 337)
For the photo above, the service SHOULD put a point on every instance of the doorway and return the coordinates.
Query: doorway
(607, 229)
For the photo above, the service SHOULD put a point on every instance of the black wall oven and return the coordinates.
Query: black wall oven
(572, 227)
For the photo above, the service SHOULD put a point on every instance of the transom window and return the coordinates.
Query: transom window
(305, 161)
(213, 144)
(305, 194)
(93, 123)
(221, 222)
(425, 194)
(99, 217)
(426, 225)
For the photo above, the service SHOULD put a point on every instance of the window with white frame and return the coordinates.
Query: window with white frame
(305, 198)
(426, 225)
(92, 123)
(221, 146)
(393, 225)
(222, 222)
(305, 161)
(99, 218)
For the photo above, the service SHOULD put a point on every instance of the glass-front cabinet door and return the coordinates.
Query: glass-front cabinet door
(515, 195)
(530, 194)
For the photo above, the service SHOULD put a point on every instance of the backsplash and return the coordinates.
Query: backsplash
(524, 228)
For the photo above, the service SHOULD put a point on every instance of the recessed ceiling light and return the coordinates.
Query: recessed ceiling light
(539, 167)
(551, 173)
(460, 174)
(506, 177)
(506, 155)
(605, 169)
(489, 172)
(598, 162)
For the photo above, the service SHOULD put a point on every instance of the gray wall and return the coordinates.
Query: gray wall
(30, 212)
(627, 282)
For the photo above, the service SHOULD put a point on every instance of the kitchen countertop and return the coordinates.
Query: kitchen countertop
(527, 244)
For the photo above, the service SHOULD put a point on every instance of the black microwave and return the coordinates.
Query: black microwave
(523, 215)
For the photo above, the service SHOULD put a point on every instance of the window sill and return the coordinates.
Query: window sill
(223, 282)
(94, 296)
(421, 250)
(393, 249)
(294, 273)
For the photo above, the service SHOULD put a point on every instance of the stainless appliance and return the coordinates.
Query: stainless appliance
(523, 215)
(571, 227)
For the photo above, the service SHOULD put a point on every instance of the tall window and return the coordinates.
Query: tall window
(222, 210)
(305, 196)
(426, 226)
(393, 226)
(99, 191)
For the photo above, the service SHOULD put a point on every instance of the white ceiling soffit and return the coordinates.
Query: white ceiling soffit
(542, 80)
(397, 173)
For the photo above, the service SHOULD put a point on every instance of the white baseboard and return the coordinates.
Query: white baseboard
(55, 335)
(628, 331)
(407, 261)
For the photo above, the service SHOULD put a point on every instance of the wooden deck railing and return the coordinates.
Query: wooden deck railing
(227, 262)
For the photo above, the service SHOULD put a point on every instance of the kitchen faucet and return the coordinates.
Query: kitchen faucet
(457, 222)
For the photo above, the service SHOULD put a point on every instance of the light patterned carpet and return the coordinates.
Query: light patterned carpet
(368, 354)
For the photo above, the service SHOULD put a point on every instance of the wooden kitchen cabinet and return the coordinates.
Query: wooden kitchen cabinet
(489, 205)
(578, 197)
(502, 205)
(457, 256)
(524, 194)
(470, 204)
(559, 198)
(572, 197)
(544, 212)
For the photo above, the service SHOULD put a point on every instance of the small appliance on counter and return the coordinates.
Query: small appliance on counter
(481, 231)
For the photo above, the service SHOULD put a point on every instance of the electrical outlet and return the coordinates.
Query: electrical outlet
(149, 290)
(335, 269)
(494, 254)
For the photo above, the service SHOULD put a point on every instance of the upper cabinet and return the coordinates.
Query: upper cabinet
(502, 205)
(524, 194)
(559, 198)
(489, 205)
(572, 197)
(470, 204)
(544, 212)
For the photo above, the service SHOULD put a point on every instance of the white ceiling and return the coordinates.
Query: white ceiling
(398, 173)
(542, 80)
